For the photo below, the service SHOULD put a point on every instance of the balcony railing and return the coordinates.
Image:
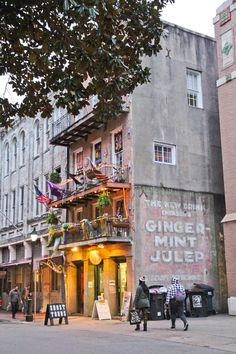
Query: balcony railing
(68, 128)
(87, 231)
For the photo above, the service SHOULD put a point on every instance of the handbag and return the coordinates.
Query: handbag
(134, 317)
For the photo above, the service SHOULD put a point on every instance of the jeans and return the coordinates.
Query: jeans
(177, 309)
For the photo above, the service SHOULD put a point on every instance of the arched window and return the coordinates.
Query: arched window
(36, 138)
(7, 159)
(14, 154)
(22, 148)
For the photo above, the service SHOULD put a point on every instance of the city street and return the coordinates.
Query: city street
(213, 335)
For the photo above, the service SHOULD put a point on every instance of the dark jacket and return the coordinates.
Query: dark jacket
(141, 300)
(14, 296)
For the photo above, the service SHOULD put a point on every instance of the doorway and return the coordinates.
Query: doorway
(80, 287)
(98, 280)
(121, 283)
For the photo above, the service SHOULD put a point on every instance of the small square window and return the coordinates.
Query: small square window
(164, 153)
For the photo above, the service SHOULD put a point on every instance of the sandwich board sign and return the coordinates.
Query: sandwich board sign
(56, 311)
(101, 310)
(125, 306)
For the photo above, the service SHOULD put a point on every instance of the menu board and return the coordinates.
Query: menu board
(125, 306)
(101, 310)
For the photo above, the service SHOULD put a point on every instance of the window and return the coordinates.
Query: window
(164, 153)
(5, 209)
(46, 134)
(13, 207)
(21, 211)
(22, 148)
(118, 148)
(36, 138)
(14, 154)
(78, 160)
(97, 152)
(194, 89)
(7, 159)
(36, 203)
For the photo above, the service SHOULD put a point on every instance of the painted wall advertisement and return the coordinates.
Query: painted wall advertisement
(176, 238)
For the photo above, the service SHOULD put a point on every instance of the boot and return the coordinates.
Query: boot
(137, 327)
(145, 327)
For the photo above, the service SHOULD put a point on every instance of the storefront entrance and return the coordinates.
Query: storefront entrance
(80, 287)
(98, 280)
(121, 282)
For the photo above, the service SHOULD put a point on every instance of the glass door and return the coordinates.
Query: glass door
(98, 280)
(121, 282)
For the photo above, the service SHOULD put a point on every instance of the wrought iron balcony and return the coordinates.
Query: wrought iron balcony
(100, 230)
(69, 129)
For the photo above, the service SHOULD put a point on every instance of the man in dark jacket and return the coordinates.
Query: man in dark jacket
(14, 299)
(142, 302)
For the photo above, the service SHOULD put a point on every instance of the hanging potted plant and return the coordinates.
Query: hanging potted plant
(104, 200)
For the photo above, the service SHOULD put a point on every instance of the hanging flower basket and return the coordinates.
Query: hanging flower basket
(119, 223)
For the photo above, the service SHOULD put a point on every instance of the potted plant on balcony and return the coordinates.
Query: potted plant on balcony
(55, 177)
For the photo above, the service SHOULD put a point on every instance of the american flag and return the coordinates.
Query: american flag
(41, 198)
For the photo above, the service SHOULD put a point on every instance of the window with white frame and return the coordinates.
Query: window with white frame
(97, 152)
(13, 207)
(7, 159)
(164, 153)
(22, 148)
(194, 89)
(46, 134)
(5, 209)
(14, 154)
(36, 138)
(21, 210)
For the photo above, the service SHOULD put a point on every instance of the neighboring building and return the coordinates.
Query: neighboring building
(27, 159)
(225, 29)
(160, 162)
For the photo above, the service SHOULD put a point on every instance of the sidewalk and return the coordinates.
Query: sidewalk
(216, 332)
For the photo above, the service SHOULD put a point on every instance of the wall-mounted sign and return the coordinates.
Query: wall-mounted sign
(95, 257)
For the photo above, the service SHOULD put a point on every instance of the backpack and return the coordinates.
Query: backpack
(180, 295)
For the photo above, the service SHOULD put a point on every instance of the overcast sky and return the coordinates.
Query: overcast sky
(196, 15)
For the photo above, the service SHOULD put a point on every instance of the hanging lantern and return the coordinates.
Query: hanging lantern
(94, 257)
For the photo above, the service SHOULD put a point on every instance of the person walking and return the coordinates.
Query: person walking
(175, 301)
(25, 298)
(142, 302)
(14, 299)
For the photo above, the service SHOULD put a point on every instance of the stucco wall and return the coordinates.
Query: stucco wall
(161, 113)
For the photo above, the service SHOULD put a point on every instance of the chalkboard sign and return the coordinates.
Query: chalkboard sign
(101, 310)
(56, 311)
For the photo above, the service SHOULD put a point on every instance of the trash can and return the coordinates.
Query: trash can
(198, 303)
(209, 292)
(157, 301)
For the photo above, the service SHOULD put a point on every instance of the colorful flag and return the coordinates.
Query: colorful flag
(56, 190)
(41, 198)
(79, 181)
